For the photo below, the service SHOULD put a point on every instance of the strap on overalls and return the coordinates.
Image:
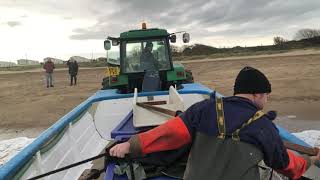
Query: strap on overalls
(221, 121)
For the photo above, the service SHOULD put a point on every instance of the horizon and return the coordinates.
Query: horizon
(35, 30)
(102, 54)
(65, 58)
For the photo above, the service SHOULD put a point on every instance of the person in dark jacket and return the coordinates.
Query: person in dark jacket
(151, 80)
(49, 66)
(73, 71)
(229, 135)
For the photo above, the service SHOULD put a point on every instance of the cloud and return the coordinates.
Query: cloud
(13, 23)
(67, 18)
(240, 18)
(203, 19)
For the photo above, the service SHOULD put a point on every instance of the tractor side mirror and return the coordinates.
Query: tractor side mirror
(115, 42)
(173, 38)
(186, 37)
(107, 45)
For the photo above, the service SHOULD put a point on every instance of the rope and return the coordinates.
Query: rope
(95, 127)
(70, 166)
(106, 154)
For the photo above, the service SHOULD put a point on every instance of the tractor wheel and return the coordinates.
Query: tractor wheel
(174, 84)
(123, 90)
(105, 83)
(189, 77)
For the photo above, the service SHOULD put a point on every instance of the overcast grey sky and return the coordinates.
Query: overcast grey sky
(39, 28)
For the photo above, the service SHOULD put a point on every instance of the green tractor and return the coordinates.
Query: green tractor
(126, 71)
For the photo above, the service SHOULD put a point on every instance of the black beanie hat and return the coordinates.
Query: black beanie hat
(251, 81)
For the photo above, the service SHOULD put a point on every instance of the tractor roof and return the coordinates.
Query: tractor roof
(143, 33)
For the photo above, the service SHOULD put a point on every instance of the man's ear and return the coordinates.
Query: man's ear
(255, 95)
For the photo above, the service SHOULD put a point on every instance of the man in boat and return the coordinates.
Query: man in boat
(229, 136)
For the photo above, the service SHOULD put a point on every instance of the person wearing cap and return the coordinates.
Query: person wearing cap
(229, 136)
(149, 64)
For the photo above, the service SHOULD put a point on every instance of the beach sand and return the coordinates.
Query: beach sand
(27, 107)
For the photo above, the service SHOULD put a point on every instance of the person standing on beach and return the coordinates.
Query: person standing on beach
(73, 71)
(49, 66)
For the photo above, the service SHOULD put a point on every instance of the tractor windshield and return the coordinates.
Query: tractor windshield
(140, 56)
(113, 55)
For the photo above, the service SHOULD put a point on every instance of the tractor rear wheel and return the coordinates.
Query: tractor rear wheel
(105, 83)
(189, 77)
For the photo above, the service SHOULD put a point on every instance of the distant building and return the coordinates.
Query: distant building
(54, 60)
(79, 59)
(6, 64)
(27, 62)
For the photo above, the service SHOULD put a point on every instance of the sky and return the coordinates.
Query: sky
(35, 29)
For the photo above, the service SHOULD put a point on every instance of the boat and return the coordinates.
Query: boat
(86, 130)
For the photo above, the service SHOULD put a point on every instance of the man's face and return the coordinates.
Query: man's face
(261, 99)
(150, 47)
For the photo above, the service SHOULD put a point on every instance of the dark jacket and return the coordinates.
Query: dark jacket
(73, 67)
(199, 126)
(201, 118)
(148, 61)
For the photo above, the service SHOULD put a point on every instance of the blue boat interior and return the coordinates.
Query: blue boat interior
(122, 132)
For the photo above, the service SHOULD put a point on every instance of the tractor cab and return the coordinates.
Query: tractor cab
(142, 52)
(139, 56)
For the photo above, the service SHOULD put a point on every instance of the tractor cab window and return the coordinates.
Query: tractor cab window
(140, 56)
(113, 55)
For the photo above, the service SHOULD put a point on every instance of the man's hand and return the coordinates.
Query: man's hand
(120, 150)
(316, 158)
